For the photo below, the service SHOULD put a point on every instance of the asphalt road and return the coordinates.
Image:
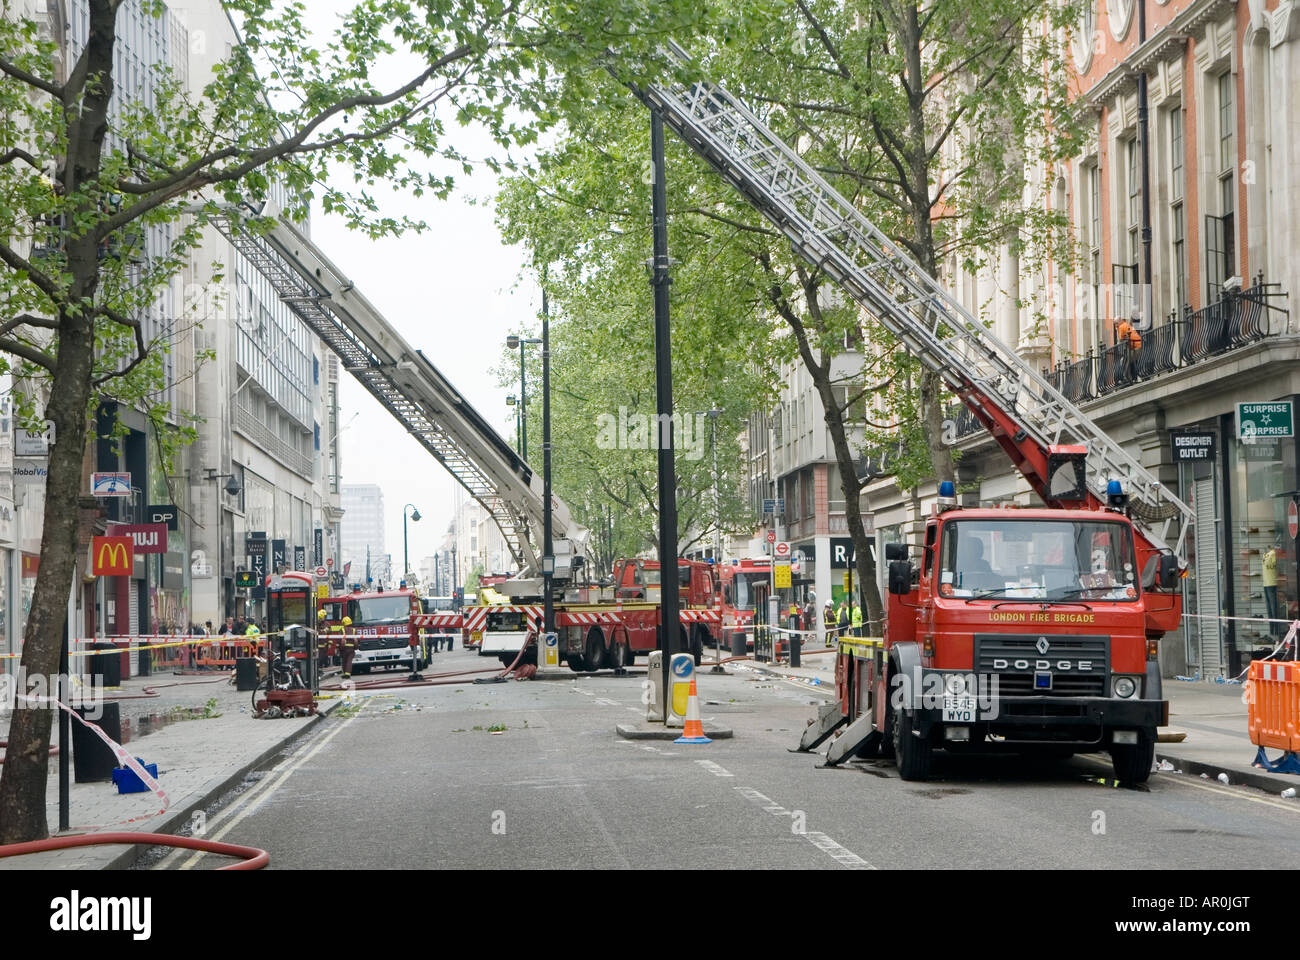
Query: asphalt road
(530, 775)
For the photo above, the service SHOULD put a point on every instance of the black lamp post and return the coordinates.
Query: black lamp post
(415, 515)
(548, 548)
(513, 341)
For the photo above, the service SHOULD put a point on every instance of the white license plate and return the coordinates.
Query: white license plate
(959, 709)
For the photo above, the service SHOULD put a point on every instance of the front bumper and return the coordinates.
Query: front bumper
(1084, 720)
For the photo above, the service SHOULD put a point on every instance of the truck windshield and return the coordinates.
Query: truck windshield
(745, 588)
(373, 610)
(1035, 559)
(506, 621)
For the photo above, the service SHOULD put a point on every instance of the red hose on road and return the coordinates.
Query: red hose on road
(253, 858)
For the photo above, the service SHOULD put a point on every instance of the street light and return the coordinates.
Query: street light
(512, 342)
(232, 484)
(717, 529)
(406, 563)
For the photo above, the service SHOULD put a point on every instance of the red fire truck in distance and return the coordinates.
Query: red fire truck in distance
(746, 583)
(698, 590)
(384, 626)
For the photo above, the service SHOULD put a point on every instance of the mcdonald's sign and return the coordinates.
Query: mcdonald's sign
(112, 556)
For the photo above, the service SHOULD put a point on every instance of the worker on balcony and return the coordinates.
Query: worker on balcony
(1125, 332)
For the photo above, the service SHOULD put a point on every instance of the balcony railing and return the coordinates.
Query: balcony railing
(1234, 321)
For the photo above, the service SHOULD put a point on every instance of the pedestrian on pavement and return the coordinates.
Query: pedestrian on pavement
(828, 621)
(855, 618)
(844, 618)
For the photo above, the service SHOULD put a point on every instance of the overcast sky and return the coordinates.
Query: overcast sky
(454, 292)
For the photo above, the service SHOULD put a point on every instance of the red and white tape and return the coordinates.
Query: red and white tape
(124, 758)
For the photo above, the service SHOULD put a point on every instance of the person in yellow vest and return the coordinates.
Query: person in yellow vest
(855, 618)
(252, 636)
(349, 648)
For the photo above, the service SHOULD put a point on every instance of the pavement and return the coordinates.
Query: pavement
(199, 731)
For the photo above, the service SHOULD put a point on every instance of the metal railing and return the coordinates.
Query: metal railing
(1227, 324)
(247, 423)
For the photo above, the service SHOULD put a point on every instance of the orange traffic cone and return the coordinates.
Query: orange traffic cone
(694, 732)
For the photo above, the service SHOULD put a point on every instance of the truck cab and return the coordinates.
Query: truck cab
(1027, 630)
(386, 635)
(698, 589)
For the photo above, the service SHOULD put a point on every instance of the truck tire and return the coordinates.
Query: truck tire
(1132, 761)
(595, 653)
(576, 663)
(697, 647)
(618, 655)
(912, 754)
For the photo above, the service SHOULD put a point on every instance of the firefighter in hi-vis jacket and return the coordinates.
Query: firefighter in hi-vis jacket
(348, 642)
(325, 643)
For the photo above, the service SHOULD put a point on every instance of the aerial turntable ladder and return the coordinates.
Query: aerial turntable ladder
(1024, 413)
(410, 388)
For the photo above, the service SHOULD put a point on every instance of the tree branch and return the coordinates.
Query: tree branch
(191, 176)
(36, 276)
(829, 46)
(53, 89)
(18, 154)
(28, 320)
(27, 352)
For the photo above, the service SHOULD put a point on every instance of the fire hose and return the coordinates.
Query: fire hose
(251, 858)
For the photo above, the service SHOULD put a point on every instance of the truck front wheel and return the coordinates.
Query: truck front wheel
(1132, 761)
(912, 754)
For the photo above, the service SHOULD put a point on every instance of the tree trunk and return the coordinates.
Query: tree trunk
(820, 371)
(26, 768)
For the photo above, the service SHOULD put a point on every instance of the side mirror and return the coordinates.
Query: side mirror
(895, 551)
(900, 577)
(1167, 572)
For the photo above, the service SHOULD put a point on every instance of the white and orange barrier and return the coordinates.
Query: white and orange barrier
(1273, 712)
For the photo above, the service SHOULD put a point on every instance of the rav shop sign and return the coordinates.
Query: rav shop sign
(843, 556)
(148, 537)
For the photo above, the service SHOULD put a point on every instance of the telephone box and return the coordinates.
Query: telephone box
(291, 623)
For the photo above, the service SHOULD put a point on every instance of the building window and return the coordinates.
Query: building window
(1092, 246)
(1134, 173)
(1177, 209)
(1221, 230)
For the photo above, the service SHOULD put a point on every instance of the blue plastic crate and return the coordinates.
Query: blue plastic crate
(126, 780)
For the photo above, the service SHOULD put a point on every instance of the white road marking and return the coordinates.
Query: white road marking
(821, 841)
(606, 703)
(252, 800)
(714, 769)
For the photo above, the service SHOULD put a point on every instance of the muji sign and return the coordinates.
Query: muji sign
(148, 537)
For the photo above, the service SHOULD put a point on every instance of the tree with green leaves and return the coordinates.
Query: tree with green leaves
(85, 177)
(602, 353)
(937, 120)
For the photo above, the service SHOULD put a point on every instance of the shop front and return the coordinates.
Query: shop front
(1237, 472)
